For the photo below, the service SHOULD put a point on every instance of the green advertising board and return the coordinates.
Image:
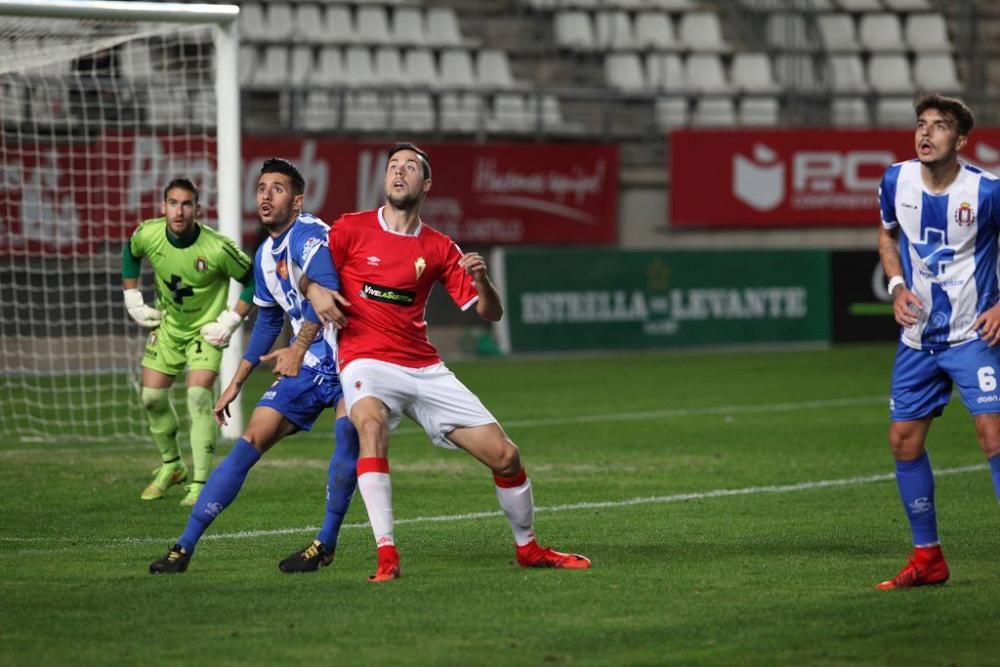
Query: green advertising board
(588, 299)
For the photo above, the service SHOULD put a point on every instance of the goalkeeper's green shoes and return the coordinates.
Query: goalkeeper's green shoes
(164, 477)
(175, 562)
(193, 491)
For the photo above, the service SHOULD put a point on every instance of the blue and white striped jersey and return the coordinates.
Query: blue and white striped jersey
(948, 248)
(280, 264)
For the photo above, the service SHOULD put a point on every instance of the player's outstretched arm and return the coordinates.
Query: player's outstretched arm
(490, 306)
(288, 360)
(232, 390)
(327, 303)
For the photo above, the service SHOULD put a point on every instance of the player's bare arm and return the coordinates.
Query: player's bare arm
(288, 360)
(326, 302)
(229, 394)
(489, 307)
(906, 306)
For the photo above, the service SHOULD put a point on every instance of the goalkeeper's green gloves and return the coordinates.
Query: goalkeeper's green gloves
(217, 333)
(140, 312)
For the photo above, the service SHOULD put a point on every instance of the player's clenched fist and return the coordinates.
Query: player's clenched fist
(139, 311)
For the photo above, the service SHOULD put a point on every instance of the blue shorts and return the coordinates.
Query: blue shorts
(302, 398)
(922, 380)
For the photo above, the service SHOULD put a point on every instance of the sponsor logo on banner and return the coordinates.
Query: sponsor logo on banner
(807, 177)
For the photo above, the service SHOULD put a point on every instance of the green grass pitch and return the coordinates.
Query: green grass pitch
(738, 507)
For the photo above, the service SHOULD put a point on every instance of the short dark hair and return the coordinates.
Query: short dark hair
(276, 165)
(182, 183)
(405, 146)
(950, 105)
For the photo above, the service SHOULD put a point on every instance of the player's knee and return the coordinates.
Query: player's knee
(199, 401)
(509, 461)
(905, 445)
(156, 401)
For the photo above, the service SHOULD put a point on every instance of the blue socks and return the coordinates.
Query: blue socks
(995, 472)
(220, 490)
(341, 482)
(916, 489)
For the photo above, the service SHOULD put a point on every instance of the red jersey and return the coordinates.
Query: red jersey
(387, 277)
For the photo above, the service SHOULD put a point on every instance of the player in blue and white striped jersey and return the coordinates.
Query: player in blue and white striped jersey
(294, 254)
(938, 245)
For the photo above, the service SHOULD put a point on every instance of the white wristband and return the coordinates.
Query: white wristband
(895, 282)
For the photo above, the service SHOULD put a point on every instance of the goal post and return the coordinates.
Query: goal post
(101, 104)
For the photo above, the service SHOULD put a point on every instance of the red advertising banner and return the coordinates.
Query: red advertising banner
(73, 197)
(801, 178)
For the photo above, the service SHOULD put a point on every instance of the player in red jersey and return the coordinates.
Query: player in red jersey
(388, 262)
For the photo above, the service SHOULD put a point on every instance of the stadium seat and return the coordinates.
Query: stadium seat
(364, 111)
(511, 114)
(654, 30)
(280, 23)
(613, 31)
(358, 67)
(890, 74)
(671, 112)
(895, 112)
(493, 69)
(252, 25)
(330, 69)
(372, 25)
(340, 25)
(796, 71)
(552, 117)
(704, 72)
(389, 67)
(273, 68)
(623, 71)
(881, 32)
(752, 72)
(927, 32)
(665, 71)
(456, 69)
(846, 74)
(701, 31)
(443, 28)
(420, 70)
(460, 112)
(787, 31)
(758, 111)
(408, 27)
(247, 63)
(936, 72)
(13, 102)
(574, 31)
(713, 112)
(136, 64)
(321, 111)
(310, 23)
(412, 111)
(302, 65)
(860, 5)
(838, 32)
(908, 5)
(849, 112)
(672, 5)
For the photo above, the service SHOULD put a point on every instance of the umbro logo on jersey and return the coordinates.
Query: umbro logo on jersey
(905, 205)
(391, 295)
(373, 261)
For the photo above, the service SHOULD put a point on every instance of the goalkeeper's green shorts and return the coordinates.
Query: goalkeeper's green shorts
(169, 354)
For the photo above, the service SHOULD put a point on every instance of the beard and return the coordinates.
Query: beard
(279, 219)
(406, 202)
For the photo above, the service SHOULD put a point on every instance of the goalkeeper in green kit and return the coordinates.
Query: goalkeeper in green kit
(190, 326)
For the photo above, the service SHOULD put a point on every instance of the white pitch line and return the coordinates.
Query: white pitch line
(573, 419)
(608, 504)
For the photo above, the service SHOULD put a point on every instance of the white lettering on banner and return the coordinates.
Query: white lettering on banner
(577, 184)
(152, 167)
(690, 304)
(820, 179)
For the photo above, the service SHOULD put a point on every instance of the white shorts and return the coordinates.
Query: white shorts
(431, 396)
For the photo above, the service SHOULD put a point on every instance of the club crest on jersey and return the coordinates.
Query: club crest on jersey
(420, 265)
(965, 215)
(282, 268)
(200, 265)
(373, 260)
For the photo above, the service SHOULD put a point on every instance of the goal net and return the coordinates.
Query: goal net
(101, 104)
